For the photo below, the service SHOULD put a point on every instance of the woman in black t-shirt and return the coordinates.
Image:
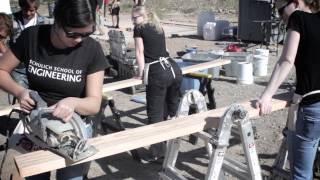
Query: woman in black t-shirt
(161, 74)
(300, 49)
(64, 65)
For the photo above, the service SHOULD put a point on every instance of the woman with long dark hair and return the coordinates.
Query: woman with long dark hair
(64, 65)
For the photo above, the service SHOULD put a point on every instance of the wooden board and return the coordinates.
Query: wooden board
(120, 85)
(179, 23)
(206, 65)
(185, 70)
(43, 161)
(5, 111)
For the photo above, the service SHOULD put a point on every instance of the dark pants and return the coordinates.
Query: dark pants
(163, 95)
(163, 92)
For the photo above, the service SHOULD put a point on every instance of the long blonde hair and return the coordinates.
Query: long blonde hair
(149, 17)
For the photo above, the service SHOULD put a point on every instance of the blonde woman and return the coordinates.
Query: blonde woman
(160, 73)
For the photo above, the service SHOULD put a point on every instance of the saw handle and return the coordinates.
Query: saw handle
(40, 103)
(47, 110)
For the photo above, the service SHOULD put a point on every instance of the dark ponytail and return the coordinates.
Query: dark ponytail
(73, 13)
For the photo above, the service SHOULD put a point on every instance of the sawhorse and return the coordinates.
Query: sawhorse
(219, 140)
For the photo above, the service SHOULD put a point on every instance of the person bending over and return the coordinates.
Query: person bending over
(161, 74)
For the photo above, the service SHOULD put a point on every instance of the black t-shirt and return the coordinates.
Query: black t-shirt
(153, 41)
(307, 60)
(57, 73)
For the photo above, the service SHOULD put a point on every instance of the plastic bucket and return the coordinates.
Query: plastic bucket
(245, 73)
(262, 52)
(260, 65)
(235, 57)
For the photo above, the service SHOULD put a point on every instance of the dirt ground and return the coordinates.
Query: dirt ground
(193, 160)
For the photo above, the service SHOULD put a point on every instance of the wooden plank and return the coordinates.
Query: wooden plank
(43, 161)
(185, 70)
(179, 23)
(206, 65)
(5, 111)
(120, 85)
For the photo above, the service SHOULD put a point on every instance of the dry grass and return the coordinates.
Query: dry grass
(163, 7)
(185, 6)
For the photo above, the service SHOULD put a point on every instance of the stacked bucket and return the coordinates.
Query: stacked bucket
(260, 62)
(244, 65)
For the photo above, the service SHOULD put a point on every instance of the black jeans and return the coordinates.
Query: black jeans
(163, 92)
(163, 95)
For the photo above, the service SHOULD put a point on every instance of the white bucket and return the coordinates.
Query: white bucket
(203, 18)
(245, 75)
(235, 57)
(260, 65)
(263, 52)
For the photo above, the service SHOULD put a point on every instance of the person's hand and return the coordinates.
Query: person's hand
(64, 109)
(25, 101)
(264, 104)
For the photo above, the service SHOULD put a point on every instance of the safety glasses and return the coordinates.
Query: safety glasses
(75, 35)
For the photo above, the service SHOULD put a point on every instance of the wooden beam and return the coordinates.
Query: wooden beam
(179, 23)
(43, 161)
(185, 70)
(120, 85)
(206, 65)
(5, 111)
